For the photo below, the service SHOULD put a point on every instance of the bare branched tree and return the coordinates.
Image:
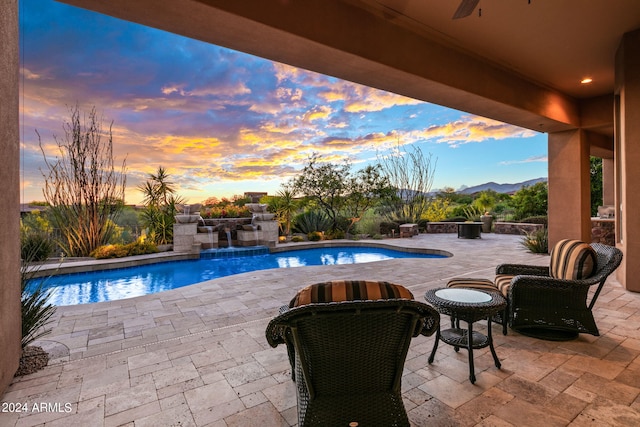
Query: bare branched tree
(411, 173)
(82, 187)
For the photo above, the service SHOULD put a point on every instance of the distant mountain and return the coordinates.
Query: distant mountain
(500, 188)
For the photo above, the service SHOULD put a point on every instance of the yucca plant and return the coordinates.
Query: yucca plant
(472, 213)
(537, 241)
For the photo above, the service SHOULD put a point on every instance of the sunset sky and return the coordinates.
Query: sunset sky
(223, 122)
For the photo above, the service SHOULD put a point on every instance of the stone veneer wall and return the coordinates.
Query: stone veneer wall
(516, 228)
(498, 227)
(442, 227)
(603, 231)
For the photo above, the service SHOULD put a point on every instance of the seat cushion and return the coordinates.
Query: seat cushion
(503, 281)
(349, 290)
(572, 260)
(469, 282)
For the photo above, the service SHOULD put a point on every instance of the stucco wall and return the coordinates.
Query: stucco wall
(628, 158)
(10, 329)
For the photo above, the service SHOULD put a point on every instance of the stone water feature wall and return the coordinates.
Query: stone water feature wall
(214, 233)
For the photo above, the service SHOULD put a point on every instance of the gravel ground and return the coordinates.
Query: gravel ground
(33, 359)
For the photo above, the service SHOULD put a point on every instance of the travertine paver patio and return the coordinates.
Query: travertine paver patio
(197, 356)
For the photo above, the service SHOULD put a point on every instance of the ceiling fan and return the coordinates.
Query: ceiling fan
(465, 8)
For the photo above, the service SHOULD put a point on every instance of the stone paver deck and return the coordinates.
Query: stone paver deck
(197, 356)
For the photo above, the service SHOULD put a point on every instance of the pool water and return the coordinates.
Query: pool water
(110, 285)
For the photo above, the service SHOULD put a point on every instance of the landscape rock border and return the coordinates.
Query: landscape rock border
(32, 360)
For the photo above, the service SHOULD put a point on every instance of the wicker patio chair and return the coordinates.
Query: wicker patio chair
(543, 305)
(348, 357)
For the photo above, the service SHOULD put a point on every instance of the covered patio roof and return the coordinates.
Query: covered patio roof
(518, 62)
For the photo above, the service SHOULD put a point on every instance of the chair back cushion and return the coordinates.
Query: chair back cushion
(503, 283)
(572, 260)
(349, 290)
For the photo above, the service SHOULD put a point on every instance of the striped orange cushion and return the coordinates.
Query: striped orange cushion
(468, 282)
(503, 281)
(572, 260)
(349, 290)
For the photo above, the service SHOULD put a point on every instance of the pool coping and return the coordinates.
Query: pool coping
(91, 265)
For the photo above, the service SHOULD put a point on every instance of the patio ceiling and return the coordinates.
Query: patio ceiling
(520, 62)
(555, 43)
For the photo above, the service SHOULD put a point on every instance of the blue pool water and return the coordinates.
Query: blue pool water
(110, 285)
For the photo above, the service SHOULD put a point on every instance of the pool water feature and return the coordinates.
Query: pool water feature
(116, 284)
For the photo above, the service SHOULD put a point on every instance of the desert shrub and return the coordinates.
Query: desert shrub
(537, 241)
(437, 209)
(297, 239)
(401, 219)
(472, 213)
(141, 248)
(531, 201)
(109, 251)
(455, 219)
(335, 234)
(344, 223)
(457, 211)
(315, 236)
(387, 227)
(120, 251)
(35, 246)
(369, 223)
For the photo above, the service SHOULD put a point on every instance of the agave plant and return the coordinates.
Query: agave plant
(537, 241)
(311, 221)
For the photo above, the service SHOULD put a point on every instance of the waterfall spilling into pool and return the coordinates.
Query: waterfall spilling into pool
(233, 252)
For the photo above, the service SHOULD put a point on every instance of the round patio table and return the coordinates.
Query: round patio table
(468, 305)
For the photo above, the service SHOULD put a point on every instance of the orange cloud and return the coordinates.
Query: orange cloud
(472, 129)
(221, 90)
(316, 113)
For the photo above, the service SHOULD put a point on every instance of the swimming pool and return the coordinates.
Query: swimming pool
(110, 285)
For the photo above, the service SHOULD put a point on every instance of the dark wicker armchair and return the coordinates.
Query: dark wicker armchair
(556, 309)
(348, 358)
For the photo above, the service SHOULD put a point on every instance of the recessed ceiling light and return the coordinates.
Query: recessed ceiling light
(586, 80)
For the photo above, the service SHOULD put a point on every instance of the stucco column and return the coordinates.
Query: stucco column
(569, 187)
(608, 181)
(628, 158)
(10, 319)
